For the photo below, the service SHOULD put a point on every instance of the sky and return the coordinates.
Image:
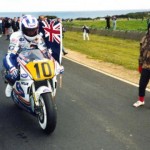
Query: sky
(72, 5)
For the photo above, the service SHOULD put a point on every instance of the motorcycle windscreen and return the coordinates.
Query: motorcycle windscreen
(31, 55)
(41, 70)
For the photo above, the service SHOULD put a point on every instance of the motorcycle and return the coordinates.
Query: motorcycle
(35, 91)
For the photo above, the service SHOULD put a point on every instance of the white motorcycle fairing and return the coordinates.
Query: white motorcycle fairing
(35, 75)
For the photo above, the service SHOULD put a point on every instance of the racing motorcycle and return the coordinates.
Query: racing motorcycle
(36, 89)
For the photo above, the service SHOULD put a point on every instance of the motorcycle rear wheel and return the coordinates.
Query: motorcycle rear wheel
(47, 116)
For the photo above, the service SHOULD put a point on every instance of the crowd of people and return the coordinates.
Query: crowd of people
(86, 30)
(8, 26)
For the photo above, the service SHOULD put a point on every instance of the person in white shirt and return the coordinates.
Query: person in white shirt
(1, 29)
(85, 30)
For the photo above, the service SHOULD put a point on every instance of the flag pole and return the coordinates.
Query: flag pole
(60, 75)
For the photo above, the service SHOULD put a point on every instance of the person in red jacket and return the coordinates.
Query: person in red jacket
(144, 67)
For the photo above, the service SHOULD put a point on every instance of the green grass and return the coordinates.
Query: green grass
(108, 49)
(122, 24)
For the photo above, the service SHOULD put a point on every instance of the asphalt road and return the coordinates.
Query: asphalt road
(94, 113)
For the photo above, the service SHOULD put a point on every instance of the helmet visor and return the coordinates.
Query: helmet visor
(30, 32)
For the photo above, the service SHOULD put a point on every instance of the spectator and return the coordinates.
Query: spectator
(14, 24)
(63, 50)
(144, 67)
(107, 22)
(114, 21)
(41, 18)
(8, 27)
(86, 31)
(18, 23)
(63, 31)
(148, 22)
(1, 29)
(3, 25)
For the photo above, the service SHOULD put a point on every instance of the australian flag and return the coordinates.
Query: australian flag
(51, 32)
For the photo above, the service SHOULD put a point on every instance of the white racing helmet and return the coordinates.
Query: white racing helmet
(29, 27)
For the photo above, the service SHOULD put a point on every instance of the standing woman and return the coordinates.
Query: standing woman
(144, 68)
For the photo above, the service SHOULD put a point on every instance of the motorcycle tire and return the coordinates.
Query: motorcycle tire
(48, 116)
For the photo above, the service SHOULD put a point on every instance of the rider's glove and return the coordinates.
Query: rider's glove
(13, 72)
(61, 69)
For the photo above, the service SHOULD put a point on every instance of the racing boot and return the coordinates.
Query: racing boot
(8, 90)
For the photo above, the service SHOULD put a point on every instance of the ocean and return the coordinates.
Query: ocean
(71, 14)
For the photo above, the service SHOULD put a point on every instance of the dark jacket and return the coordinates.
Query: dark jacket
(85, 29)
(15, 26)
(8, 23)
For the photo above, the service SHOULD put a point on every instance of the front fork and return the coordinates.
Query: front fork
(53, 83)
(51, 88)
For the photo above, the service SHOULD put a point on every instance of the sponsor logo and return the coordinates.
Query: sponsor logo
(24, 75)
(24, 83)
(19, 90)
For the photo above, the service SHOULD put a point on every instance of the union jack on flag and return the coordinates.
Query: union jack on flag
(52, 31)
(52, 35)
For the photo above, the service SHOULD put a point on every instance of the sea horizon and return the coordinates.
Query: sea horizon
(74, 14)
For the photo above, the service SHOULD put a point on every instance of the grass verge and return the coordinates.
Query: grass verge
(108, 49)
(122, 24)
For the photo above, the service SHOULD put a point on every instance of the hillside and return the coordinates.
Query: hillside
(136, 15)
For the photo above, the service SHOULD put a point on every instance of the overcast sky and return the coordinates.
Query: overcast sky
(71, 5)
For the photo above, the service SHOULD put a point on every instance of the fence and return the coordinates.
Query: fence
(133, 35)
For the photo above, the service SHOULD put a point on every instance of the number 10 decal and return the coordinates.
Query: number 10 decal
(44, 68)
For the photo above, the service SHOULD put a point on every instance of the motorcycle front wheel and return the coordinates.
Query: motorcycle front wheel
(47, 116)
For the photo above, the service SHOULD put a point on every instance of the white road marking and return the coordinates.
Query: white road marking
(110, 75)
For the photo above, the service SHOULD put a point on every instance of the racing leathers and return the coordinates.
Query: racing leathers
(18, 43)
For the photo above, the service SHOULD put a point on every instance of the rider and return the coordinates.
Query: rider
(26, 37)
